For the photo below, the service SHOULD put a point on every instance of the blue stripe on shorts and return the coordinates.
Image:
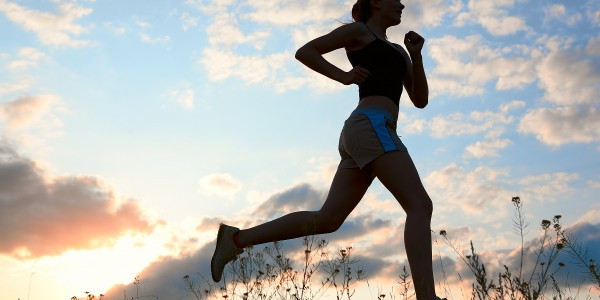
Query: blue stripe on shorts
(378, 119)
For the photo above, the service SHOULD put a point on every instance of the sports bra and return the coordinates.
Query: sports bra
(386, 65)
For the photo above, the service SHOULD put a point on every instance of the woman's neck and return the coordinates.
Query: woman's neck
(377, 27)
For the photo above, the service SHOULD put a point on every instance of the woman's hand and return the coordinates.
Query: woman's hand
(357, 75)
(413, 42)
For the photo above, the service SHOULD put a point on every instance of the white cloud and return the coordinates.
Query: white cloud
(487, 148)
(491, 16)
(183, 97)
(475, 191)
(485, 189)
(291, 13)
(254, 69)
(220, 184)
(559, 12)
(161, 39)
(556, 10)
(52, 29)
(580, 86)
(210, 6)
(114, 28)
(478, 121)
(27, 57)
(558, 126)
(188, 21)
(9, 88)
(464, 65)
(546, 187)
(142, 24)
(224, 32)
(428, 13)
(414, 127)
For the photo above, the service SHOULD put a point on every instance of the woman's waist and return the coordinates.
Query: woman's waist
(380, 102)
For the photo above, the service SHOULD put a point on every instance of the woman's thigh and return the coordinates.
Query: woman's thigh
(347, 189)
(398, 174)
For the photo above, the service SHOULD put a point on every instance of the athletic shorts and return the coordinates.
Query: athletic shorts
(368, 133)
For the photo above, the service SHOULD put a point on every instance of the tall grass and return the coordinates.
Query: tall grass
(321, 273)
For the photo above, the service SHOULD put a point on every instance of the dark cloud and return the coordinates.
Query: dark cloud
(44, 215)
(163, 279)
(299, 197)
(572, 275)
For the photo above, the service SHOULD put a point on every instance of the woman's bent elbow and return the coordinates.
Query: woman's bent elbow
(421, 103)
(300, 53)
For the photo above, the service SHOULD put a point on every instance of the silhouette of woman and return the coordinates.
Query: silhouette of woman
(369, 146)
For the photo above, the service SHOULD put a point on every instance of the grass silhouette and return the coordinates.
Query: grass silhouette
(270, 274)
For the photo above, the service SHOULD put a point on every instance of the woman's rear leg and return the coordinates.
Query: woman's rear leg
(347, 189)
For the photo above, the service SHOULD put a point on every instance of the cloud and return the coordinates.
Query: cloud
(593, 47)
(25, 110)
(47, 215)
(9, 88)
(58, 29)
(224, 32)
(573, 116)
(458, 124)
(487, 148)
(563, 125)
(188, 21)
(484, 189)
(115, 28)
(475, 191)
(546, 187)
(210, 6)
(559, 12)
(163, 279)
(161, 39)
(183, 97)
(27, 58)
(495, 260)
(429, 13)
(463, 66)
(581, 86)
(253, 69)
(222, 184)
(491, 16)
(288, 13)
(300, 197)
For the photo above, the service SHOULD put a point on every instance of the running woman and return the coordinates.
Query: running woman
(369, 145)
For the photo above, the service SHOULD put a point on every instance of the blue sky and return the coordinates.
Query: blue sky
(130, 130)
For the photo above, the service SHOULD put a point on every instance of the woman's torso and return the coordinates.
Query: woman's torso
(387, 66)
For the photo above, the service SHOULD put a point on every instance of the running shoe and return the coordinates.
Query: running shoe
(225, 251)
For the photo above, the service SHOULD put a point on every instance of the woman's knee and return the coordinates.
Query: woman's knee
(422, 206)
(328, 223)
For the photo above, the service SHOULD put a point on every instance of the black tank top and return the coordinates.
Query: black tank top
(387, 66)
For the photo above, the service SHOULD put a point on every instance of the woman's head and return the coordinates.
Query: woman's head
(363, 10)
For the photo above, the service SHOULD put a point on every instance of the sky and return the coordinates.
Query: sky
(131, 129)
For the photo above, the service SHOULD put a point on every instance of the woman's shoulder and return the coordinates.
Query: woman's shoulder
(355, 28)
(361, 35)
